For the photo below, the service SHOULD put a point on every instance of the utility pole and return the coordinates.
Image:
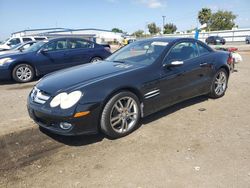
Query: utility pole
(163, 23)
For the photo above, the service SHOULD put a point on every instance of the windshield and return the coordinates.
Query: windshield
(140, 52)
(16, 47)
(35, 46)
(5, 41)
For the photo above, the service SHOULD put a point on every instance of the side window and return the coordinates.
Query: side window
(14, 42)
(26, 46)
(202, 50)
(56, 45)
(27, 39)
(39, 38)
(78, 43)
(182, 51)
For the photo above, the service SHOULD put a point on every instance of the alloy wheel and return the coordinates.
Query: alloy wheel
(24, 73)
(96, 59)
(220, 83)
(124, 115)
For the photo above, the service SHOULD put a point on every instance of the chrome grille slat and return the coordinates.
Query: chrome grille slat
(38, 97)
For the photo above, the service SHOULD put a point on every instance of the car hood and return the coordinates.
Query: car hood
(14, 54)
(9, 52)
(79, 76)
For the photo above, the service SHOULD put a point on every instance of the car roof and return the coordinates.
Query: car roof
(215, 36)
(168, 39)
(58, 38)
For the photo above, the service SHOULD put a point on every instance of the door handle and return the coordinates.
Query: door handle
(203, 64)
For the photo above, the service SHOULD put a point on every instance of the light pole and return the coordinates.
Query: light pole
(163, 23)
(146, 27)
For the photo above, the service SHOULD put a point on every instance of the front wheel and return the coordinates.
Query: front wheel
(120, 115)
(23, 73)
(95, 59)
(219, 84)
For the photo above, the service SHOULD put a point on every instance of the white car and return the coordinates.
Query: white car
(13, 41)
(18, 48)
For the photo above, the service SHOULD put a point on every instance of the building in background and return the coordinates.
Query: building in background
(30, 32)
(97, 35)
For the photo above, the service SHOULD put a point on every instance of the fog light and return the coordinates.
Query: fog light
(65, 125)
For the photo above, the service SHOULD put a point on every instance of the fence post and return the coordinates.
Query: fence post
(233, 37)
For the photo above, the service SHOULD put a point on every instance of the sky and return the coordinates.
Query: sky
(128, 15)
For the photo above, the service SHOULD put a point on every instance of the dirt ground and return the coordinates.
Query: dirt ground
(198, 143)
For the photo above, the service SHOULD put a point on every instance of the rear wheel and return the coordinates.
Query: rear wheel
(120, 115)
(95, 59)
(219, 84)
(23, 73)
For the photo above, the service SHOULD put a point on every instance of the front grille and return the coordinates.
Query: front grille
(39, 96)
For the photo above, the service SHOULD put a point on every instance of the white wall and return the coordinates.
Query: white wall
(238, 35)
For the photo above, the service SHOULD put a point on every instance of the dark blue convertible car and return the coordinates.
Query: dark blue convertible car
(48, 56)
(141, 78)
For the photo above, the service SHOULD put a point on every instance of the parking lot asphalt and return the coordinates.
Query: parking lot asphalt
(198, 143)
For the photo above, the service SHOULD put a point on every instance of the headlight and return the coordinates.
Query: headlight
(5, 60)
(66, 100)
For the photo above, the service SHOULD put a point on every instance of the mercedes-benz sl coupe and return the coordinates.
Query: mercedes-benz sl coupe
(139, 79)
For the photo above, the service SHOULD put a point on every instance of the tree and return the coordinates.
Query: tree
(169, 28)
(138, 33)
(117, 30)
(153, 29)
(222, 20)
(204, 16)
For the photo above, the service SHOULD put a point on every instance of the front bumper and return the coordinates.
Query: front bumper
(51, 121)
(5, 73)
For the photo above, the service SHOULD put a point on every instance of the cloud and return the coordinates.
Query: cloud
(112, 1)
(152, 3)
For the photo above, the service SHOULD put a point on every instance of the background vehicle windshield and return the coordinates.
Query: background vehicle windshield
(16, 46)
(35, 47)
(141, 52)
(5, 41)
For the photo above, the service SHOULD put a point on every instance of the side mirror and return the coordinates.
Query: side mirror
(8, 43)
(174, 64)
(44, 51)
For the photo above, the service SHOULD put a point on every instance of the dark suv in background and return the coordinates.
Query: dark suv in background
(215, 40)
(247, 39)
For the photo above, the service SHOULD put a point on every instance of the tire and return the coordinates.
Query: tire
(125, 119)
(219, 85)
(23, 73)
(247, 41)
(95, 59)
